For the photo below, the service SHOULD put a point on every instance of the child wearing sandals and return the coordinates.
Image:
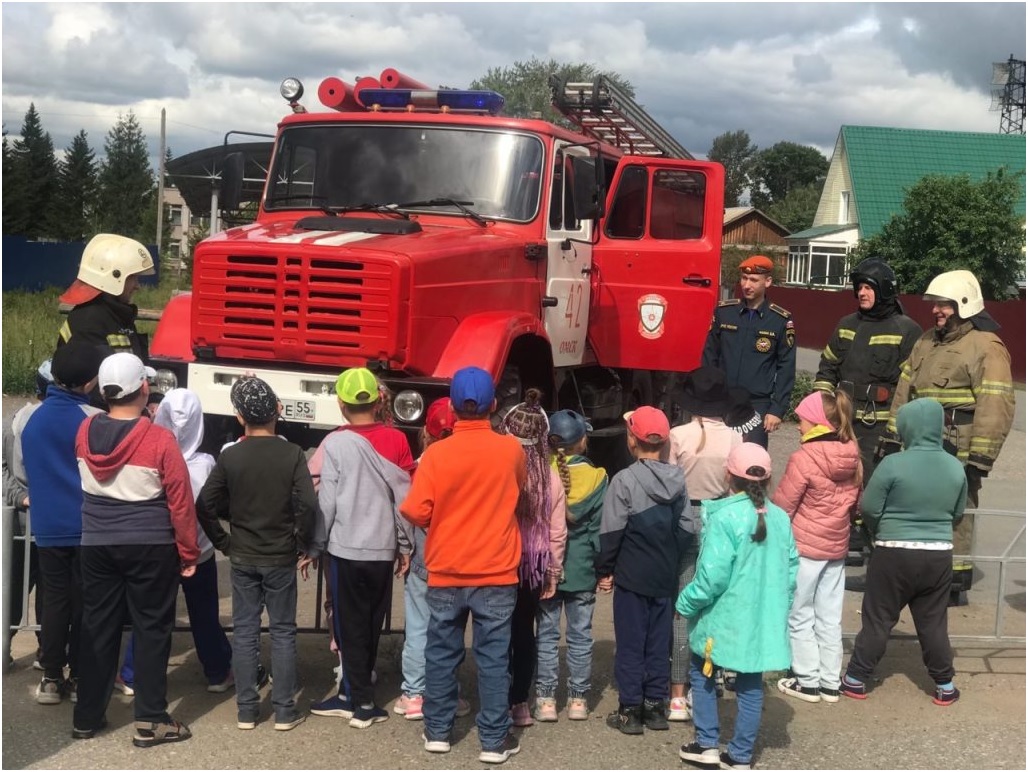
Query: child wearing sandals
(585, 486)
(738, 606)
(542, 520)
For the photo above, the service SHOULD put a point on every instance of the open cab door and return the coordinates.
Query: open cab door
(657, 264)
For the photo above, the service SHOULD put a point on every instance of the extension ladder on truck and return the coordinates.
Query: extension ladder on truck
(604, 111)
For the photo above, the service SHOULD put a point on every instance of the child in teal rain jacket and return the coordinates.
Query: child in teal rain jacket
(737, 605)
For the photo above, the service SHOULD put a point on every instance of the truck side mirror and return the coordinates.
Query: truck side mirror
(587, 188)
(231, 192)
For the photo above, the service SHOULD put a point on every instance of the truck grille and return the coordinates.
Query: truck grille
(296, 308)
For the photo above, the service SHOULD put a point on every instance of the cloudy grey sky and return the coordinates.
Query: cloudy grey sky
(781, 71)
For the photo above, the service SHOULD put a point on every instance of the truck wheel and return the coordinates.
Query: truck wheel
(508, 393)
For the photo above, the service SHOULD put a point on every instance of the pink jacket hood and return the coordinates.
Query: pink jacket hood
(819, 493)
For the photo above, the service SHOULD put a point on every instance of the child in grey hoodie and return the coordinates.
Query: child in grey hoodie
(645, 528)
(363, 533)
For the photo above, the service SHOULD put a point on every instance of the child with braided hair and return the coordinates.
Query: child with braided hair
(737, 606)
(585, 486)
(541, 516)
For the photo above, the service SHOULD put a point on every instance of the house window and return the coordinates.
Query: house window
(797, 267)
(174, 216)
(828, 266)
(844, 207)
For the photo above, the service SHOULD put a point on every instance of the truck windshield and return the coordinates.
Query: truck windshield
(496, 174)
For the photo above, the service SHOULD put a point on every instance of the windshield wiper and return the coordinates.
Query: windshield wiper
(306, 197)
(368, 207)
(464, 206)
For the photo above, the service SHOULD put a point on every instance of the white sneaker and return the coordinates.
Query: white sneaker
(436, 746)
(678, 710)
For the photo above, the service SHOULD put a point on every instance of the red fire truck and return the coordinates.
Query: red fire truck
(418, 231)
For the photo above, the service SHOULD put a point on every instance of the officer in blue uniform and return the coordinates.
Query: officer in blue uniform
(754, 342)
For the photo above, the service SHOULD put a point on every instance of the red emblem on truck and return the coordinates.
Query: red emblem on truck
(651, 316)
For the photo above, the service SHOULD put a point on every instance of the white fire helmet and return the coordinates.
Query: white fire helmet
(107, 261)
(960, 287)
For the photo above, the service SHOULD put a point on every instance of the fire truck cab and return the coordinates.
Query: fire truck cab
(416, 232)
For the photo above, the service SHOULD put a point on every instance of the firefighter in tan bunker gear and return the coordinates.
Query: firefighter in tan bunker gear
(963, 365)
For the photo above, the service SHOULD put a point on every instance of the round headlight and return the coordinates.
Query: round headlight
(408, 406)
(291, 89)
(165, 381)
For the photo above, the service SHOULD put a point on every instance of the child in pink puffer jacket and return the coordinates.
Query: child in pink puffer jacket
(819, 491)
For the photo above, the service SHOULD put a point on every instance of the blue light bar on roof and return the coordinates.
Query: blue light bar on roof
(418, 99)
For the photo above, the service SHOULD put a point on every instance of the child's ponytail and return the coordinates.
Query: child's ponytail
(756, 490)
(839, 411)
(562, 462)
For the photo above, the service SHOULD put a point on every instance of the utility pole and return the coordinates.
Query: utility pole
(160, 187)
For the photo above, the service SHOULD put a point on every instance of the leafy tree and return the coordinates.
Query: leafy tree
(783, 166)
(126, 182)
(734, 151)
(796, 211)
(76, 191)
(954, 222)
(29, 194)
(525, 86)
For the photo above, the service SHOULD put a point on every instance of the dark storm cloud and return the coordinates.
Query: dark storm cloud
(960, 39)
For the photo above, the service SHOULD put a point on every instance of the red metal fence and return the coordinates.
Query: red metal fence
(816, 313)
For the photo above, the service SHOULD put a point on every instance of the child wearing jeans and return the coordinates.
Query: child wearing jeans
(645, 528)
(819, 492)
(718, 418)
(439, 421)
(737, 606)
(585, 486)
(262, 487)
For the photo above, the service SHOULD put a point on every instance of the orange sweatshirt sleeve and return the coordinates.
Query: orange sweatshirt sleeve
(419, 504)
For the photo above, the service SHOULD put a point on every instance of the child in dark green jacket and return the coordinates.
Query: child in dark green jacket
(910, 505)
(585, 486)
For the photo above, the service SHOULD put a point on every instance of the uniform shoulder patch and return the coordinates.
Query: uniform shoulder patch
(779, 310)
(729, 302)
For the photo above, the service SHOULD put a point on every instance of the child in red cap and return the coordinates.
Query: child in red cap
(645, 528)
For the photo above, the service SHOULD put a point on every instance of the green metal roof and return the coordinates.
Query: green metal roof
(884, 163)
(820, 230)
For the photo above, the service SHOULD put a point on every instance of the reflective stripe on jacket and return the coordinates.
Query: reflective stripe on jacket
(968, 372)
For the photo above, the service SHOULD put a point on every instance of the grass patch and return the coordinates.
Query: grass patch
(31, 324)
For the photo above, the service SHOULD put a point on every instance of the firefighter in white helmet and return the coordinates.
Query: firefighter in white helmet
(962, 364)
(101, 296)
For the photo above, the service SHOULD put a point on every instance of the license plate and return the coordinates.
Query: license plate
(298, 409)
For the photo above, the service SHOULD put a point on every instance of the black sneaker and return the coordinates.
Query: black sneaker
(829, 695)
(627, 719)
(791, 687)
(88, 734)
(508, 748)
(365, 717)
(695, 753)
(946, 697)
(654, 715)
(857, 691)
(50, 691)
(727, 762)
